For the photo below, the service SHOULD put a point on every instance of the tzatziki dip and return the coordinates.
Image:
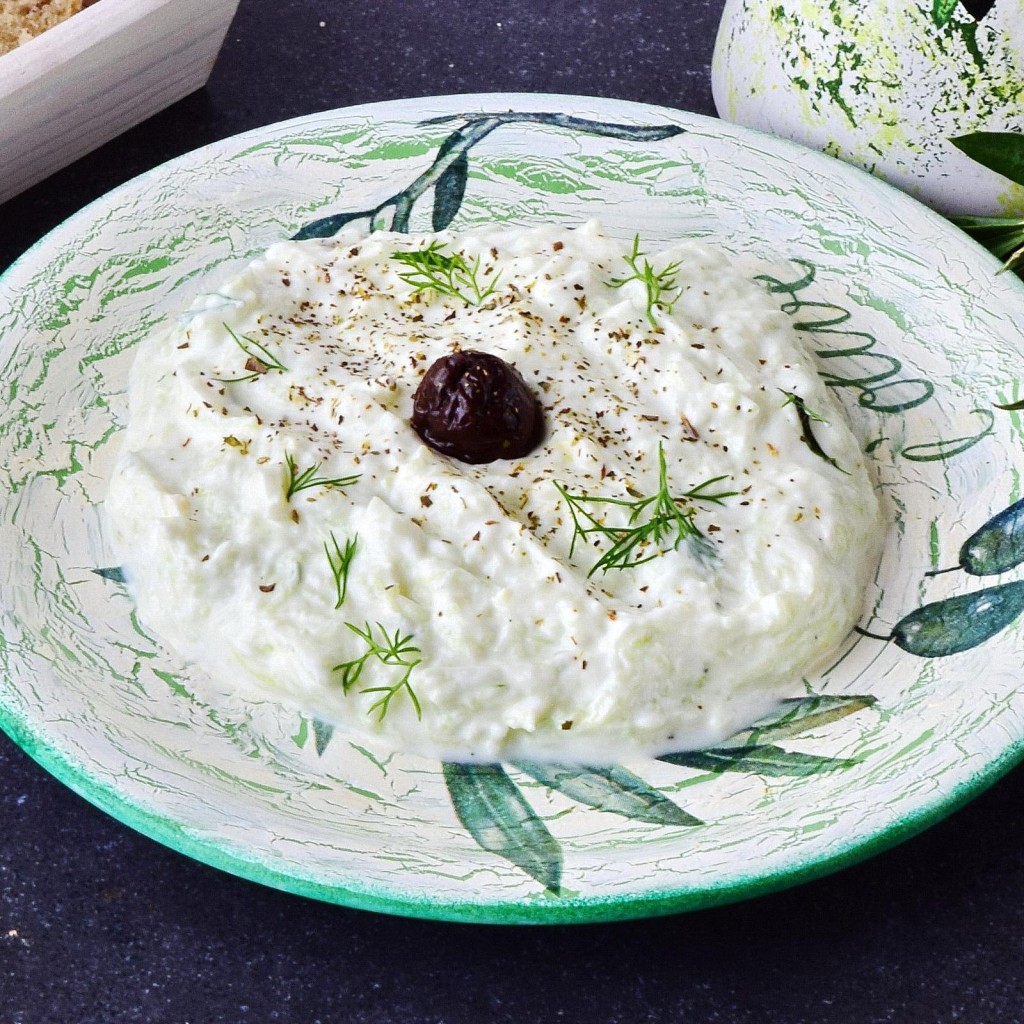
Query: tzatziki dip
(681, 537)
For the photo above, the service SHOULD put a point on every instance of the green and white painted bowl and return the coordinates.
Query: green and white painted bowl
(914, 330)
(884, 84)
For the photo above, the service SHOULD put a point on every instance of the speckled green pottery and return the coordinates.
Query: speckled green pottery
(884, 84)
(912, 327)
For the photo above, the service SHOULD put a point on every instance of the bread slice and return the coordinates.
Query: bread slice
(20, 20)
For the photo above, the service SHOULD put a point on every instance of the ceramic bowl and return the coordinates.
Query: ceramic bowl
(920, 338)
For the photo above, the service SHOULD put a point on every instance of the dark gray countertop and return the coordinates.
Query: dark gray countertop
(98, 924)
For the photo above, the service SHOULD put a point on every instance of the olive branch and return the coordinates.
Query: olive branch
(448, 175)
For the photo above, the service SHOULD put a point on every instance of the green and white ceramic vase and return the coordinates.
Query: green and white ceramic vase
(884, 84)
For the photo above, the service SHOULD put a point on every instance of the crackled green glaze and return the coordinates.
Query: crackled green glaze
(883, 84)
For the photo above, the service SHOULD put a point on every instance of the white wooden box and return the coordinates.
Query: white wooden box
(88, 79)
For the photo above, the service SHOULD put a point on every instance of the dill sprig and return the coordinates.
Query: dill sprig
(301, 481)
(446, 273)
(656, 524)
(806, 416)
(658, 283)
(340, 561)
(393, 651)
(260, 361)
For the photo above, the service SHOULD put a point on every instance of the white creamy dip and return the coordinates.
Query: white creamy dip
(509, 644)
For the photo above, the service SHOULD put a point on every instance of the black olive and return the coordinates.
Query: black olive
(475, 407)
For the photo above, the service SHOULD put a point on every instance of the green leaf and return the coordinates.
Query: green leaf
(800, 714)
(450, 187)
(1002, 236)
(1003, 231)
(759, 759)
(942, 11)
(1002, 152)
(113, 573)
(325, 227)
(1015, 261)
(493, 811)
(449, 192)
(614, 789)
(322, 733)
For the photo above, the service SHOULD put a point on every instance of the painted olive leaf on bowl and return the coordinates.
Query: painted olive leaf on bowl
(491, 806)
